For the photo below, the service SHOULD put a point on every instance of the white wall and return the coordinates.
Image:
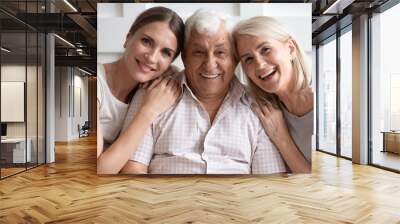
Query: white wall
(80, 84)
(68, 81)
(61, 103)
(115, 19)
(33, 126)
(14, 73)
(17, 73)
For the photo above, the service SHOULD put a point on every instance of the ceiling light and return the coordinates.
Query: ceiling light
(84, 71)
(5, 50)
(65, 41)
(70, 5)
(337, 7)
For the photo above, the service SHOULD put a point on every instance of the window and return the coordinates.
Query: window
(385, 89)
(327, 97)
(22, 68)
(346, 94)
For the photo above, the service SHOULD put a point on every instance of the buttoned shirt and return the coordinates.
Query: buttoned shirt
(184, 141)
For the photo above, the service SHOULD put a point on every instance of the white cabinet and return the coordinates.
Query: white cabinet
(15, 148)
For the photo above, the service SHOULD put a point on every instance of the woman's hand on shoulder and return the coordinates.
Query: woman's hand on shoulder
(272, 120)
(160, 95)
(171, 71)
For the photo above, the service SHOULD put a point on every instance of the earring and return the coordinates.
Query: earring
(292, 60)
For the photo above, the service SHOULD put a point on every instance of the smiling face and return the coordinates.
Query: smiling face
(148, 53)
(209, 63)
(267, 62)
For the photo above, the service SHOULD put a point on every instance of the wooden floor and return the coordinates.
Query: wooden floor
(69, 191)
(5, 172)
(10, 171)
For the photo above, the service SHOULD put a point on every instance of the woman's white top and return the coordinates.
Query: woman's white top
(111, 110)
(301, 129)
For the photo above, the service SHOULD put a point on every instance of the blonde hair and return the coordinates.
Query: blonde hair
(269, 27)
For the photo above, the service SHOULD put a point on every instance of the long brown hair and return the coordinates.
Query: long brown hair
(162, 14)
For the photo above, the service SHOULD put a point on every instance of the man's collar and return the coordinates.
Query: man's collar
(185, 86)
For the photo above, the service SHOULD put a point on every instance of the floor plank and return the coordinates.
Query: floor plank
(69, 191)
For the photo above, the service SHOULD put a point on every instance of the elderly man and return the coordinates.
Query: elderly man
(211, 129)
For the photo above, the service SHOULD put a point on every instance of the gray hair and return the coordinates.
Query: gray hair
(207, 22)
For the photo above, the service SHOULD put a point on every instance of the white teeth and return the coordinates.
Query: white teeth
(209, 76)
(265, 75)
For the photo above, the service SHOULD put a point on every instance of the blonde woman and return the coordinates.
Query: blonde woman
(280, 80)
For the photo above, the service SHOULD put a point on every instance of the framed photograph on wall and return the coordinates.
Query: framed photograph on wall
(195, 88)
